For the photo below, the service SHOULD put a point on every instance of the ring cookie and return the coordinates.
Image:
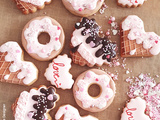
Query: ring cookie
(33, 29)
(31, 6)
(13, 69)
(82, 84)
(68, 112)
(83, 8)
(130, 3)
(88, 48)
(58, 72)
(35, 104)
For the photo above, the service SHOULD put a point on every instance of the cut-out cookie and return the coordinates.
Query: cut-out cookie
(83, 8)
(58, 72)
(88, 48)
(130, 3)
(68, 112)
(36, 104)
(31, 6)
(13, 69)
(135, 42)
(135, 110)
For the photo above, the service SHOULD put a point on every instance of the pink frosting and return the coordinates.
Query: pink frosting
(150, 40)
(92, 78)
(131, 2)
(36, 2)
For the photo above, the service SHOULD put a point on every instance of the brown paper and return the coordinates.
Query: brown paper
(12, 22)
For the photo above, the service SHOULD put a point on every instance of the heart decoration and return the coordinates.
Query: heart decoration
(130, 3)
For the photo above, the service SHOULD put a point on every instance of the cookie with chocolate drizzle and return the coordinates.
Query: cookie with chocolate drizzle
(88, 48)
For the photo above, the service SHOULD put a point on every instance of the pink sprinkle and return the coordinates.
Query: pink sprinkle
(17, 51)
(107, 33)
(66, 108)
(80, 9)
(97, 79)
(50, 97)
(59, 83)
(88, 74)
(58, 28)
(30, 50)
(112, 19)
(108, 56)
(109, 22)
(156, 41)
(81, 89)
(56, 38)
(107, 96)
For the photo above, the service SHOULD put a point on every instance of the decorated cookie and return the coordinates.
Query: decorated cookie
(135, 110)
(130, 3)
(135, 42)
(33, 29)
(36, 104)
(31, 6)
(68, 112)
(13, 69)
(88, 48)
(106, 95)
(83, 8)
(58, 72)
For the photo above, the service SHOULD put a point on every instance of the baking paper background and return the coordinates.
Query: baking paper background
(12, 22)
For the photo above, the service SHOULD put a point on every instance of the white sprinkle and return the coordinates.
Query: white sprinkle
(132, 52)
(6, 77)
(127, 71)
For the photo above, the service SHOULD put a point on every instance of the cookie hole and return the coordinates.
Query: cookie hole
(94, 90)
(43, 38)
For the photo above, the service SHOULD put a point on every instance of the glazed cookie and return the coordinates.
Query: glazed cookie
(130, 3)
(13, 69)
(35, 104)
(88, 48)
(94, 77)
(135, 42)
(83, 8)
(33, 29)
(135, 110)
(58, 72)
(31, 6)
(68, 112)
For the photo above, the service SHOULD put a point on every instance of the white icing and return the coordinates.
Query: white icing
(31, 35)
(58, 72)
(82, 93)
(134, 110)
(150, 40)
(131, 2)
(36, 2)
(71, 113)
(87, 52)
(84, 4)
(14, 54)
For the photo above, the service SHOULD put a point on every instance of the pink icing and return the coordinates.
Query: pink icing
(31, 35)
(80, 5)
(58, 72)
(134, 110)
(36, 2)
(88, 101)
(71, 113)
(131, 2)
(150, 40)
(14, 54)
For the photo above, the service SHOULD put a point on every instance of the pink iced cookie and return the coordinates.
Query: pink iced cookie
(30, 41)
(68, 112)
(58, 72)
(130, 3)
(106, 95)
(135, 110)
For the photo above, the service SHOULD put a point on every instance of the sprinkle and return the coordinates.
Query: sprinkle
(58, 28)
(127, 72)
(80, 9)
(56, 38)
(6, 77)
(17, 51)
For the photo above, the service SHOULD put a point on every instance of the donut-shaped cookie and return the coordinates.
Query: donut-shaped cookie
(33, 29)
(106, 95)
(83, 7)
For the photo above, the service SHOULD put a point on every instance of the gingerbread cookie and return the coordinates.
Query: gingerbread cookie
(135, 110)
(13, 69)
(33, 29)
(135, 42)
(58, 72)
(83, 8)
(36, 104)
(130, 3)
(68, 112)
(106, 95)
(31, 6)
(88, 48)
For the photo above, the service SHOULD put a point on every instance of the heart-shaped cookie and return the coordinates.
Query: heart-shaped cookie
(13, 69)
(31, 6)
(135, 42)
(130, 3)
(35, 104)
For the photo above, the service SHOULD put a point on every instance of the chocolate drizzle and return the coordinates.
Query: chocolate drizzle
(108, 49)
(45, 101)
